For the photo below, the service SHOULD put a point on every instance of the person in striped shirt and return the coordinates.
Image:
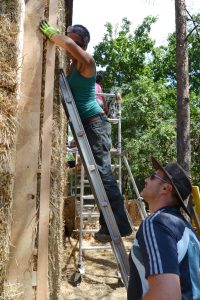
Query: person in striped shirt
(165, 255)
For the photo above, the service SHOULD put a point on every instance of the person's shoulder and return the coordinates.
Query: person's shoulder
(90, 57)
(169, 217)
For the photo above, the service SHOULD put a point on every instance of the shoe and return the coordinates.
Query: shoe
(127, 234)
(105, 237)
(102, 237)
(103, 229)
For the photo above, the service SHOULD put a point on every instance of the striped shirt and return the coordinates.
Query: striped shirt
(165, 243)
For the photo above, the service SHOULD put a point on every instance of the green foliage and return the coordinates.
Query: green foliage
(146, 77)
(148, 125)
(195, 137)
(122, 69)
(194, 54)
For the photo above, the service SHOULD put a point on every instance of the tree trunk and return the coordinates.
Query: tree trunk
(183, 106)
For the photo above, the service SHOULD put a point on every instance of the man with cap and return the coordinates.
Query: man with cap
(165, 255)
(81, 79)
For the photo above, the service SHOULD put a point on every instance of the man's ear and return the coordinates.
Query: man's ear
(167, 188)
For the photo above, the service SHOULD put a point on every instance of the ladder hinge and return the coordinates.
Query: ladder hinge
(92, 167)
(116, 240)
(80, 133)
(104, 203)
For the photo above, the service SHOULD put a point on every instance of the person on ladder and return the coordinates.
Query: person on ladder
(81, 78)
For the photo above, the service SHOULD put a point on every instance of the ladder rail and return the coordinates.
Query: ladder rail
(138, 200)
(81, 222)
(94, 177)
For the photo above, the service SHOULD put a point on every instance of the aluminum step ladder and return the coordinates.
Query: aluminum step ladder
(94, 177)
(88, 214)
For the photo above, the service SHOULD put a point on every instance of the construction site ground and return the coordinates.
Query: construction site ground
(101, 279)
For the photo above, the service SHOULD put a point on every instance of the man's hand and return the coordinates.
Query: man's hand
(48, 30)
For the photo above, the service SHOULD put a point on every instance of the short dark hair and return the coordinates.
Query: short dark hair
(99, 78)
(82, 32)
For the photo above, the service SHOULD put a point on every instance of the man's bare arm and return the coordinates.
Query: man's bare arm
(163, 287)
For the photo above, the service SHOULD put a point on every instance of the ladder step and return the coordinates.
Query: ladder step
(115, 167)
(89, 206)
(97, 248)
(86, 181)
(114, 120)
(88, 197)
(115, 151)
(91, 215)
(86, 230)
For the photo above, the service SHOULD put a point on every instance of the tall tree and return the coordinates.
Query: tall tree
(183, 105)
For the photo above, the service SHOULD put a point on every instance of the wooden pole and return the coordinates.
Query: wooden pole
(42, 268)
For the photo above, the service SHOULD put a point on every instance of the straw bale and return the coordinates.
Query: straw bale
(10, 9)
(133, 212)
(6, 185)
(58, 178)
(7, 77)
(12, 291)
(8, 125)
(58, 182)
(9, 29)
(69, 215)
(8, 50)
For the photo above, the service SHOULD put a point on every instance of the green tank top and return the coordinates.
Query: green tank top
(83, 91)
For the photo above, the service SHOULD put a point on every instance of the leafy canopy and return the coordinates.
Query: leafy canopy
(146, 77)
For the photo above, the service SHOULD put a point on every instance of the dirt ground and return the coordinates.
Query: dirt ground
(100, 280)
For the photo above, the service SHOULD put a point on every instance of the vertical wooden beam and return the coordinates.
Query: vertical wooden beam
(68, 13)
(42, 270)
(24, 224)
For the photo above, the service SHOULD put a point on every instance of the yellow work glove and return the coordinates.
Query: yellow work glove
(48, 30)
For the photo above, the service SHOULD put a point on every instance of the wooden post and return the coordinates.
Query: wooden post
(23, 228)
(42, 268)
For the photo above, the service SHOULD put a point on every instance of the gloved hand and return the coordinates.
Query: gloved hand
(48, 30)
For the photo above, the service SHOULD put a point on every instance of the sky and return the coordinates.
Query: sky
(94, 14)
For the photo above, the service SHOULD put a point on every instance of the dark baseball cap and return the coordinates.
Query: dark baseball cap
(179, 179)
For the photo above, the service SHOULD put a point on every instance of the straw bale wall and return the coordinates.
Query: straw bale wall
(10, 20)
(9, 76)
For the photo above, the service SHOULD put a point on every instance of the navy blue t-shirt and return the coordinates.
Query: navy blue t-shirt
(165, 243)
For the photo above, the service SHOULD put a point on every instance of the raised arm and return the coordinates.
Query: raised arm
(85, 61)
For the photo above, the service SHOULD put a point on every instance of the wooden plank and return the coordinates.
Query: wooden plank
(42, 270)
(24, 203)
